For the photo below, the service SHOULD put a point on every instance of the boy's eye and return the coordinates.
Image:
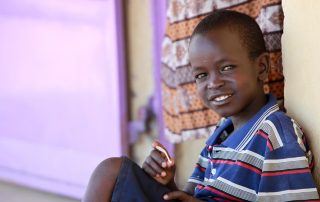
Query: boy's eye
(227, 68)
(200, 76)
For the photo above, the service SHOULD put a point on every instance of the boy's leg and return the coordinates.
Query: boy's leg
(120, 179)
(103, 180)
(134, 184)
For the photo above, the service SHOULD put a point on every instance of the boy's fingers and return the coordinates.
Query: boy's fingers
(148, 169)
(163, 151)
(153, 171)
(167, 164)
(180, 195)
(156, 143)
(170, 164)
(154, 165)
(156, 156)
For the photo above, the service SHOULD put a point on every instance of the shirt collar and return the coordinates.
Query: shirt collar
(241, 137)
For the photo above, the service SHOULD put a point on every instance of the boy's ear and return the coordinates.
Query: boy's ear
(263, 66)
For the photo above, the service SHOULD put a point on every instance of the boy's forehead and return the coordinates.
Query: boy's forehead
(216, 48)
(200, 42)
(213, 40)
(220, 34)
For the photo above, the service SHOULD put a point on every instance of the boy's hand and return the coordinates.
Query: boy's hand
(180, 195)
(159, 166)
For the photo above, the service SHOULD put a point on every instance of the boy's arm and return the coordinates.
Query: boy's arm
(286, 172)
(184, 196)
(286, 176)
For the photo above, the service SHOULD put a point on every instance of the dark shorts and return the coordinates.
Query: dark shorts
(133, 184)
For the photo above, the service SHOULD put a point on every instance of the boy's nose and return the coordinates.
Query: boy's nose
(215, 83)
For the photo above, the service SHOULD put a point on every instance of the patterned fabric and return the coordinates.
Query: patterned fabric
(184, 114)
(265, 160)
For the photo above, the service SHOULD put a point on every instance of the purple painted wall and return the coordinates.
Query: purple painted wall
(62, 101)
(158, 13)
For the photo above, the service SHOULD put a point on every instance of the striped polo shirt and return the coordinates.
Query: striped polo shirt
(267, 159)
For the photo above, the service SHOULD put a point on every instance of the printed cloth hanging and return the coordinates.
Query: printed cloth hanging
(184, 115)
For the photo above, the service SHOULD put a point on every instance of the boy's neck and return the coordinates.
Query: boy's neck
(243, 117)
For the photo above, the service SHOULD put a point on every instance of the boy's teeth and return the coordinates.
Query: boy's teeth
(220, 98)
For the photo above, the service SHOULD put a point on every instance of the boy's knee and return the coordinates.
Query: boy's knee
(113, 162)
(110, 165)
(107, 169)
(102, 180)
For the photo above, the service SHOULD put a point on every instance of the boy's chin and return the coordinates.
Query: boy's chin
(222, 113)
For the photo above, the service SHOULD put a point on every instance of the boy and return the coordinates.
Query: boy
(257, 153)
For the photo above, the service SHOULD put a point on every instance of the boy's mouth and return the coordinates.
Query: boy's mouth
(219, 98)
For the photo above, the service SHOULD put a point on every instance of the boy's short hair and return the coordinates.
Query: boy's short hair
(247, 28)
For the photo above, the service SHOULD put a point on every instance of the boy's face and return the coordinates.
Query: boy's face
(227, 79)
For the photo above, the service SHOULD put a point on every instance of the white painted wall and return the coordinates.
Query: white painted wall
(301, 54)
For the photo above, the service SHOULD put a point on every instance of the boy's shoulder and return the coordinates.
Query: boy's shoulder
(282, 128)
(279, 117)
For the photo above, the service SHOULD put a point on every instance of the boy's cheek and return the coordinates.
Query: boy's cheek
(205, 101)
(201, 88)
(201, 95)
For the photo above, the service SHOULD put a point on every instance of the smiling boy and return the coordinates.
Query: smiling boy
(262, 156)
(256, 153)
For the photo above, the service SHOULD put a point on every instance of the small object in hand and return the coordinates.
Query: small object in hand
(164, 151)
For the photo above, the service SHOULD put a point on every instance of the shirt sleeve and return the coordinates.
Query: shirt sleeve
(286, 172)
